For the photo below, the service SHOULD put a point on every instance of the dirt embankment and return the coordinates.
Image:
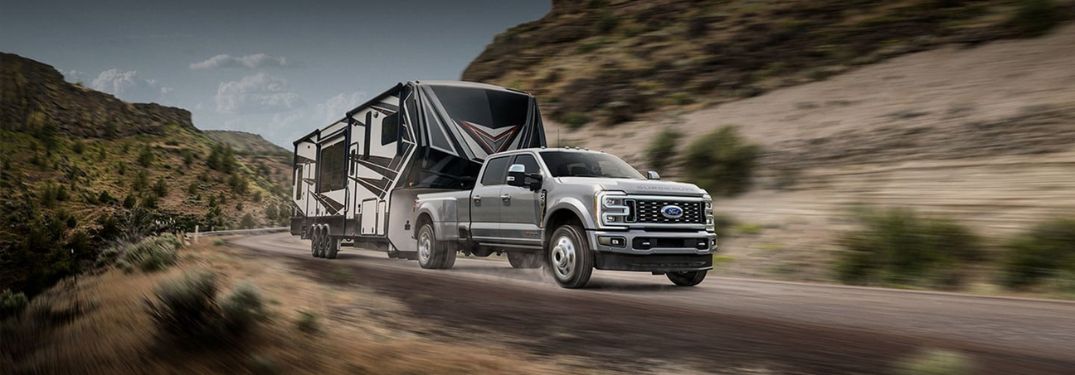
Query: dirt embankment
(983, 134)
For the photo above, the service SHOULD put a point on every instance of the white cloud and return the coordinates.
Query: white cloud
(129, 85)
(256, 93)
(335, 107)
(74, 76)
(254, 61)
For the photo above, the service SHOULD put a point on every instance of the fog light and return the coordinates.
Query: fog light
(611, 241)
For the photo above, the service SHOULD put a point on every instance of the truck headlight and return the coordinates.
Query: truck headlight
(709, 225)
(610, 209)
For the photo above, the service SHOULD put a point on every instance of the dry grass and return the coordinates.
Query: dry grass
(360, 331)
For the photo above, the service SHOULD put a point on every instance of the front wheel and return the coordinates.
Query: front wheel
(569, 257)
(690, 278)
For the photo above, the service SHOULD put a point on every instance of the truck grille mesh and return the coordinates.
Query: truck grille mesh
(648, 211)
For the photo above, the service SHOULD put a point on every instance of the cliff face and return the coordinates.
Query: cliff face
(615, 60)
(33, 92)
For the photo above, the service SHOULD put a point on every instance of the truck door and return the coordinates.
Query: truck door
(519, 208)
(485, 199)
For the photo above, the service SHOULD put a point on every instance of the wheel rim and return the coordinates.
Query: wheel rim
(425, 244)
(563, 258)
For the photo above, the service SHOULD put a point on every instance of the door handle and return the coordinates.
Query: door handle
(477, 200)
(505, 197)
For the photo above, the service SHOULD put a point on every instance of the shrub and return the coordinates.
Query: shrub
(307, 322)
(247, 222)
(145, 157)
(153, 253)
(897, 246)
(243, 308)
(722, 162)
(935, 362)
(160, 188)
(11, 304)
(186, 308)
(663, 149)
(1035, 17)
(1046, 251)
(575, 120)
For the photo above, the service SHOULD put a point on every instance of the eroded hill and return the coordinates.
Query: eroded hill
(78, 167)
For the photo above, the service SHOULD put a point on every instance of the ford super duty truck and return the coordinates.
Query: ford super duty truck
(571, 211)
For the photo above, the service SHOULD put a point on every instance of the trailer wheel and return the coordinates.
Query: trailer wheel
(332, 246)
(313, 241)
(690, 278)
(433, 254)
(317, 242)
(524, 260)
(569, 257)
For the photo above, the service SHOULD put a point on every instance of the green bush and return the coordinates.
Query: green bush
(1035, 17)
(935, 362)
(243, 308)
(663, 149)
(722, 162)
(1046, 251)
(186, 308)
(153, 253)
(11, 304)
(575, 120)
(898, 247)
(145, 157)
(307, 322)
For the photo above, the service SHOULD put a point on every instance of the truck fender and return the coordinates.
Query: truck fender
(574, 205)
(444, 230)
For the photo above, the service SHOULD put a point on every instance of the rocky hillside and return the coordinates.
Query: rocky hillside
(246, 143)
(610, 61)
(78, 167)
(959, 110)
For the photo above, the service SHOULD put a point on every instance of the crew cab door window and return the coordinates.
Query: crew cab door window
(495, 171)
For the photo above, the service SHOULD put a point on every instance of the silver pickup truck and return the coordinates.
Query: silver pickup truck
(571, 211)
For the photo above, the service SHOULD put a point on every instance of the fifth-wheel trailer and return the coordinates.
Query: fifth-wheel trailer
(356, 180)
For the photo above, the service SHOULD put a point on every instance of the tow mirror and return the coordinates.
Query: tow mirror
(652, 175)
(517, 175)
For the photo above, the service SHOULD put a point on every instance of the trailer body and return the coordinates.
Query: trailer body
(355, 181)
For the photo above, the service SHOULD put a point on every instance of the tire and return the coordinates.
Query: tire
(569, 258)
(313, 242)
(432, 254)
(689, 278)
(524, 260)
(332, 246)
(318, 242)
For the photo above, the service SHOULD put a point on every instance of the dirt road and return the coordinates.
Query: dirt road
(638, 321)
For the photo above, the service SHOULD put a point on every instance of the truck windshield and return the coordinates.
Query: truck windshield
(493, 109)
(587, 164)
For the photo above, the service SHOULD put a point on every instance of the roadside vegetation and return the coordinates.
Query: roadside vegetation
(722, 162)
(900, 247)
(662, 150)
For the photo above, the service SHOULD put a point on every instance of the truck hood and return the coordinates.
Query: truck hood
(636, 187)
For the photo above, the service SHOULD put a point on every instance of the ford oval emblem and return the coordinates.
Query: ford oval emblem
(672, 212)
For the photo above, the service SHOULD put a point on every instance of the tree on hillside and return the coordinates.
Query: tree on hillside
(145, 156)
(221, 158)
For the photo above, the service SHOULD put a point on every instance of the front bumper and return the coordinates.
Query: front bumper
(653, 250)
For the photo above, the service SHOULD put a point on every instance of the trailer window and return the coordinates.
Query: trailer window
(390, 129)
(333, 169)
(492, 109)
(298, 183)
(495, 171)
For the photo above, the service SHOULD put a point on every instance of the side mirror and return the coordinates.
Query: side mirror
(652, 175)
(535, 181)
(517, 175)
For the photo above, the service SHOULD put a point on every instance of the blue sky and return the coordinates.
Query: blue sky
(277, 68)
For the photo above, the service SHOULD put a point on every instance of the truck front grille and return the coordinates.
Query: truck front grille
(648, 211)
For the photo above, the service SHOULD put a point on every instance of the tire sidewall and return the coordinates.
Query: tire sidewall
(583, 257)
(430, 261)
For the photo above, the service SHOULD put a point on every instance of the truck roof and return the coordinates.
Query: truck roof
(540, 149)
